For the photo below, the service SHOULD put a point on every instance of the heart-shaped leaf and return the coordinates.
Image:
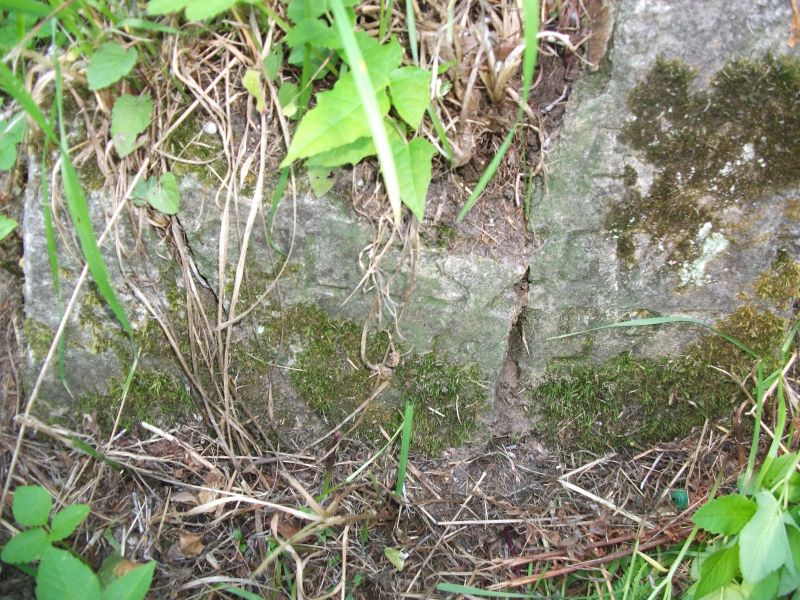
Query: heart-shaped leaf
(410, 90)
(165, 196)
(109, 64)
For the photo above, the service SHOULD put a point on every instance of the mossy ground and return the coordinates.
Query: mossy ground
(331, 377)
(730, 145)
(636, 402)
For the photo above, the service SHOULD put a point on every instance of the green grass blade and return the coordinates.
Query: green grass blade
(79, 213)
(31, 7)
(386, 18)
(277, 195)
(411, 24)
(441, 134)
(787, 343)
(661, 321)
(367, 95)
(454, 588)
(531, 32)
(405, 445)
(488, 174)
(12, 86)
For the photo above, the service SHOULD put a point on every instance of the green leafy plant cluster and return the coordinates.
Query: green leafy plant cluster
(60, 575)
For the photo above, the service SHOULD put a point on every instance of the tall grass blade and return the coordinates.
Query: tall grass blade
(411, 24)
(386, 18)
(531, 32)
(405, 445)
(79, 213)
(367, 95)
(661, 321)
(12, 86)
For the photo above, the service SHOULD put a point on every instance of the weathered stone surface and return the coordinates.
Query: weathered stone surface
(597, 266)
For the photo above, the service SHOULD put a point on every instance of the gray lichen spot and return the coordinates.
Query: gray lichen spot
(712, 244)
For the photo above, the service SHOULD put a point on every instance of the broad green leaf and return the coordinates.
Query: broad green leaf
(313, 32)
(726, 515)
(717, 570)
(319, 178)
(30, 7)
(763, 544)
(349, 154)
(7, 225)
(287, 97)
(142, 189)
(130, 117)
(410, 89)
(26, 546)
(396, 557)
(766, 589)
(31, 505)
(165, 196)
(780, 468)
(252, 83)
(62, 576)
(163, 7)
(413, 162)
(732, 591)
(67, 520)
(200, 10)
(133, 585)
(380, 59)
(273, 61)
(109, 64)
(297, 10)
(337, 119)
(11, 134)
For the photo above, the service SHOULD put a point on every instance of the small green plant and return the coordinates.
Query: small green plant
(7, 225)
(60, 574)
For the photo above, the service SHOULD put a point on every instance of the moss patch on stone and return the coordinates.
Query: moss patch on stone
(201, 152)
(632, 401)
(154, 397)
(330, 376)
(781, 283)
(39, 337)
(731, 144)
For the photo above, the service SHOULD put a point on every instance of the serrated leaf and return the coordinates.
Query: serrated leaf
(165, 196)
(410, 88)
(337, 119)
(7, 225)
(349, 154)
(163, 7)
(413, 163)
(130, 117)
(109, 64)
(200, 10)
(726, 515)
(763, 544)
(62, 576)
(31, 505)
(25, 547)
(396, 557)
(133, 585)
(252, 83)
(67, 520)
(11, 134)
(319, 178)
(717, 569)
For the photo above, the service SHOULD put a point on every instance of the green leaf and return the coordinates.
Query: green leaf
(67, 520)
(380, 59)
(109, 64)
(11, 84)
(31, 505)
(349, 154)
(25, 547)
(302, 9)
(314, 33)
(717, 569)
(273, 61)
(779, 468)
(337, 119)
(252, 83)
(7, 225)
(11, 134)
(242, 593)
(130, 117)
(726, 515)
(763, 544)
(410, 88)
(287, 97)
(165, 196)
(766, 589)
(163, 7)
(133, 585)
(62, 576)
(200, 10)
(320, 180)
(732, 591)
(396, 557)
(413, 162)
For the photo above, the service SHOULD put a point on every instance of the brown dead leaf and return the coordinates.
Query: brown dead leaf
(185, 498)
(190, 544)
(125, 566)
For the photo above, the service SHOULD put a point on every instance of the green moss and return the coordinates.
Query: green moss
(729, 145)
(190, 143)
(154, 397)
(39, 338)
(781, 283)
(330, 376)
(631, 401)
